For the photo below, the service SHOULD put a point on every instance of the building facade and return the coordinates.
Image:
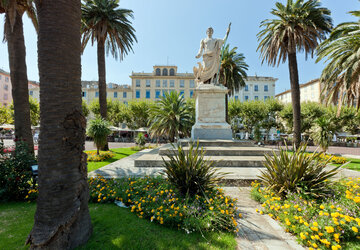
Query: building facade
(90, 92)
(256, 88)
(5, 88)
(309, 92)
(163, 79)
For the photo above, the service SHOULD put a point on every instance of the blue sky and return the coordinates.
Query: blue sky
(170, 32)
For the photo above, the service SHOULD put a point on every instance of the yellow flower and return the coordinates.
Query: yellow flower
(302, 236)
(322, 207)
(211, 208)
(315, 224)
(355, 229)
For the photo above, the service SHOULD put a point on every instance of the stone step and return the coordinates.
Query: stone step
(156, 160)
(222, 151)
(218, 143)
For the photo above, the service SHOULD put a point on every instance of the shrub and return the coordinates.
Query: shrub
(102, 156)
(299, 172)
(15, 173)
(99, 130)
(189, 172)
(155, 199)
(140, 140)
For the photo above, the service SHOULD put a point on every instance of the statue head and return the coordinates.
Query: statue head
(210, 31)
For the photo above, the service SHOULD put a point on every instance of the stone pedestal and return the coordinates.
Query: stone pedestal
(210, 114)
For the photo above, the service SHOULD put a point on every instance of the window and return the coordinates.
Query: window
(5, 96)
(256, 88)
(246, 87)
(256, 97)
(172, 72)
(191, 93)
(163, 93)
(266, 88)
(266, 97)
(96, 94)
(147, 83)
(182, 83)
(6, 79)
(83, 93)
(182, 93)
(124, 94)
(164, 83)
(172, 83)
(115, 94)
(246, 98)
(236, 98)
(157, 72)
(192, 84)
(137, 94)
(157, 93)
(147, 94)
(158, 83)
(137, 82)
(32, 93)
(6, 87)
(165, 72)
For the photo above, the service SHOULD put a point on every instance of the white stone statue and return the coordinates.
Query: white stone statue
(210, 50)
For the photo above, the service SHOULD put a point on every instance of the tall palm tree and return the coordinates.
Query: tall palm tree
(232, 72)
(171, 116)
(341, 76)
(62, 219)
(14, 35)
(299, 27)
(107, 24)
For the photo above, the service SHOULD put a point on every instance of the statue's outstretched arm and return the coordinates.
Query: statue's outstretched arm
(200, 50)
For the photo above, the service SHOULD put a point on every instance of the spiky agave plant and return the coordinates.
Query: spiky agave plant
(189, 172)
(300, 172)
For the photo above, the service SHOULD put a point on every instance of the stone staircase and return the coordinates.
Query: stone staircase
(241, 160)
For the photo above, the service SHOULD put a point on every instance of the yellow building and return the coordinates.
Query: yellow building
(163, 79)
(90, 92)
(5, 88)
(309, 92)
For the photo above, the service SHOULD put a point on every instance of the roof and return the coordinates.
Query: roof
(4, 72)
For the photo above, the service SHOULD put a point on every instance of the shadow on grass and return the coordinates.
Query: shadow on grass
(118, 228)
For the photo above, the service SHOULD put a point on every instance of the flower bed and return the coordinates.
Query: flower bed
(103, 155)
(330, 223)
(156, 200)
(334, 159)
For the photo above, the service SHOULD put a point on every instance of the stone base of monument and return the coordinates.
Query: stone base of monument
(210, 113)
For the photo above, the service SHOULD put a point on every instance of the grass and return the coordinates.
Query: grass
(119, 154)
(113, 228)
(353, 165)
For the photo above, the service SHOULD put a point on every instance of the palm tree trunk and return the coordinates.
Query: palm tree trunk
(62, 219)
(102, 83)
(19, 80)
(102, 79)
(295, 97)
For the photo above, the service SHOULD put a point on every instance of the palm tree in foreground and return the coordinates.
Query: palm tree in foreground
(232, 72)
(14, 35)
(341, 76)
(107, 24)
(300, 26)
(171, 117)
(62, 219)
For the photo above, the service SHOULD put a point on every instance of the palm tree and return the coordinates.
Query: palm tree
(300, 26)
(107, 24)
(341, 76)
(62, 219)
(171, 116)
(99, 131)
(232, 72)
(323, 132)
(14, 35)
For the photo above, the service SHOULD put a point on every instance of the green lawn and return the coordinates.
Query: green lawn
(119, 154)
(113, 228)
(354, 164)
